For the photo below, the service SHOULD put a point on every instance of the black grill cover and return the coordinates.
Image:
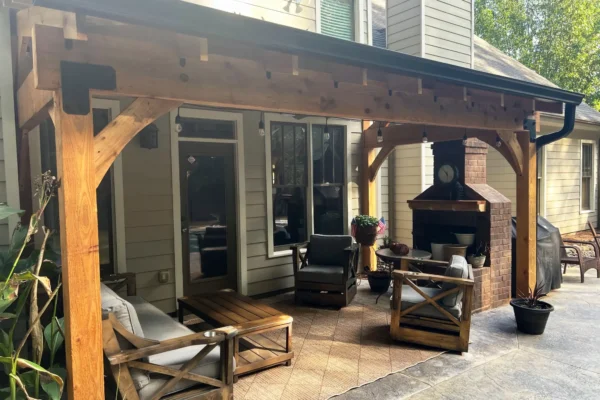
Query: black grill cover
(548, 255)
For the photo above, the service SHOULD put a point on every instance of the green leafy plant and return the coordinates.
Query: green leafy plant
(363, 221)
(21, 277)
(387, 241)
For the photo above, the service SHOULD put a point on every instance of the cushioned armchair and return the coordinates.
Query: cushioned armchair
(437, 317)
(326, 273)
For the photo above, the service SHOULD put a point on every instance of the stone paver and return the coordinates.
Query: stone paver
(502, 363)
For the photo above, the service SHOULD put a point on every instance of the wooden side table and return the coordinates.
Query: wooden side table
(253, 351)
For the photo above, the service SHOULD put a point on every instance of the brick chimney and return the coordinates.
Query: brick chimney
(441, 31)
(470, 159)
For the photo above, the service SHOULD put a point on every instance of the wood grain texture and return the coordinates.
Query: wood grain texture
(526, 218)
(79, 252)
(368, 193)
(32, 104)
(217, 82)
(111, 141)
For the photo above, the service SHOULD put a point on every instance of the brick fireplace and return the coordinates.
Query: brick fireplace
(468, 205)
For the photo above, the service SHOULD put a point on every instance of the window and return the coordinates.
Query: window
(587, 175)
(307, 182)
(328, 179)
(104, 193)
(379, 23)
(289, 147)
(337, 18)
(540, 181)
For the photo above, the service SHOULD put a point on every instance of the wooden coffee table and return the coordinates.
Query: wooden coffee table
(252, 350)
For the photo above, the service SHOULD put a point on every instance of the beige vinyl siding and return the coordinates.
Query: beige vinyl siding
(408, 184)
(284, 12)
(404, 26)
(501, 177)
(149, 217)
(563, 185)
(448, 32)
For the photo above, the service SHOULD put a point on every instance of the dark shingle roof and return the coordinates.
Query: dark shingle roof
(490, 59)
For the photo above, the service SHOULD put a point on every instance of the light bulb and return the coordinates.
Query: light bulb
(261, 128)
(465, 140)
(425, 139)
(326, 136)
(379, 136)
(178, 126)
(498, 141)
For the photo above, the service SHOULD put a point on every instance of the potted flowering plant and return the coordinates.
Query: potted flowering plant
(365, 229)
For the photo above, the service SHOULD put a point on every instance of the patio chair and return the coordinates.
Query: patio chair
(436, 317)
(584, 262)
(326, 273)
(151, 356)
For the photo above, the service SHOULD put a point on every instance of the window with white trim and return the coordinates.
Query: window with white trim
(307, 179)
(587, 176)
(540, 182)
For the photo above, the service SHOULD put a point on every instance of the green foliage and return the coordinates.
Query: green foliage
(20, 278)
(558, 39)
(363, 221)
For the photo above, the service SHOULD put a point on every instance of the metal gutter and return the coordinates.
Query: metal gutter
(568, 126)
(195, 20)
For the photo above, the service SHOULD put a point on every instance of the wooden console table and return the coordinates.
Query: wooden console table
(252, 350)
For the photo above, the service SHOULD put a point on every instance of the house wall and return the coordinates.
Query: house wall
(562, 178)
(282, 12)
(434, 29)
(9, 185)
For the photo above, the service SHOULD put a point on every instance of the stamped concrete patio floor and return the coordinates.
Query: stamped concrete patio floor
(563, 363)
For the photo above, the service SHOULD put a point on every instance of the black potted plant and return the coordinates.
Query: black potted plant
(379, 280)
(531, 313)
(365, 229)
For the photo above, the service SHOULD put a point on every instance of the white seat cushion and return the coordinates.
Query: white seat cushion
(159, 326)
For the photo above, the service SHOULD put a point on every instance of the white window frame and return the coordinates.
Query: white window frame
(542, 193)
(350, 126)
(358, 20)
(592, 180)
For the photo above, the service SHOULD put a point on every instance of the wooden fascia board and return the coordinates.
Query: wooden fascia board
(149, 70)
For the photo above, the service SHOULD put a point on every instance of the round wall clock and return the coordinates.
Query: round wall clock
(447, 173)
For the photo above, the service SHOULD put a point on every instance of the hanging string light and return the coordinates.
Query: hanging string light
(379, 134)
(425, 138)
(178, 126)
(326, 130)
(261, 125)
(465, 138)
(498, 141)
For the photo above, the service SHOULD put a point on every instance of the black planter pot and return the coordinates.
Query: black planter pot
(379, 281)
(530, 320)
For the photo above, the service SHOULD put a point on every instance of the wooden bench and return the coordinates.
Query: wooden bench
(251, 318)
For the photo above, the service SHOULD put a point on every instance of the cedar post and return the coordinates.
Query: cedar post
(79, 252)
(526, 218)
(368, 193)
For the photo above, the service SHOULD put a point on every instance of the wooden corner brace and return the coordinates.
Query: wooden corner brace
(379, 159)
(109, 143)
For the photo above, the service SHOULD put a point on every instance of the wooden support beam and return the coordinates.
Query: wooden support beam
(79, 252)
(111, 141)
(368, 198)
(511, 150)
(526, 218)
(379, 160)
(32, 104)
(225, 81)
(72, 25)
